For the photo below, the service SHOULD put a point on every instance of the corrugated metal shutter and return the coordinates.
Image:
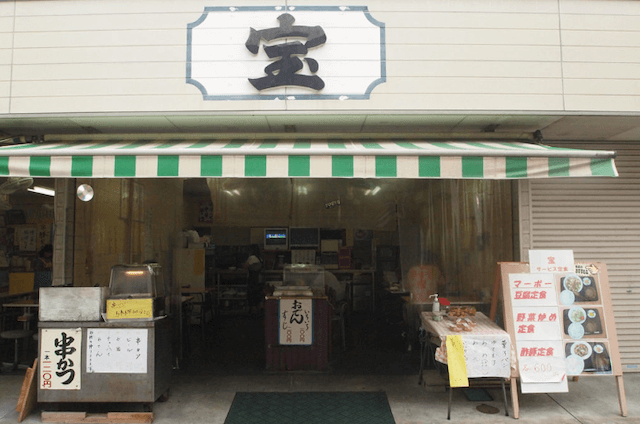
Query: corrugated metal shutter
(599, 219)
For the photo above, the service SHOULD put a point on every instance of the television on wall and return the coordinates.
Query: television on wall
(304, 237)
(276, 238)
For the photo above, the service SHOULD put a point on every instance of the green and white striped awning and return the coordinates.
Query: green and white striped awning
(295, 158)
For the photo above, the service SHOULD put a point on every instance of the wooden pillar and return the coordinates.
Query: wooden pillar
(64, 218)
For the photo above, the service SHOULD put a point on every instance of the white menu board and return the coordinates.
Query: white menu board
(60, 359)
(583, 315)
(296, 321)
(117, 350)
(538, 333)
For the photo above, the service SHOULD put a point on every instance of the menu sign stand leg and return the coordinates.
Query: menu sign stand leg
(622, 398)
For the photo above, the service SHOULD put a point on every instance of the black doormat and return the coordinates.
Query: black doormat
(310, 408)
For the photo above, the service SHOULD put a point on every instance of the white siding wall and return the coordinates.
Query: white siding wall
(599, 219)
(499, 55)
(601, 55)
(6, 42)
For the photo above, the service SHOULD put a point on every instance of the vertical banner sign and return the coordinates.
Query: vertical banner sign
(60, 359)
(296, 322)
(537, 332)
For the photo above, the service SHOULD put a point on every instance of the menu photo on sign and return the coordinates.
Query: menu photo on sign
(583, 322)
(60, 359)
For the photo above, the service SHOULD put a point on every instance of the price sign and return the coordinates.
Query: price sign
(542, 365)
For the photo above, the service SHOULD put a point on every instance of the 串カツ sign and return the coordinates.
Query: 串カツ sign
(286, 52)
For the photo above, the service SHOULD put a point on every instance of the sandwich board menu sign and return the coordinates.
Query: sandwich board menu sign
(560, 316)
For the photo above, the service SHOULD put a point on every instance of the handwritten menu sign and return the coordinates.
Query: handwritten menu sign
(296, 322)
(538, 334)
(60, 359)
(487, 356)
(129, 308)
(568, 331)
(117, 350)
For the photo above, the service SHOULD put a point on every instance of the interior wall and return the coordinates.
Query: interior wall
(127, 221)
(465, 226)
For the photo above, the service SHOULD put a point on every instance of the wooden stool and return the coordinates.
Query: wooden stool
(16, 336)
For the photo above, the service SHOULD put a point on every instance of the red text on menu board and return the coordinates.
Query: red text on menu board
(536, 351)
(531, 318)
(526, 289)
(530, 294)
(536, 317)
(552, 266)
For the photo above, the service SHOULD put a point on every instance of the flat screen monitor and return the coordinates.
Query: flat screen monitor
(304, 237)
(276, 239)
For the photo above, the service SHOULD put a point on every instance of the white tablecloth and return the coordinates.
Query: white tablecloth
(487, 349)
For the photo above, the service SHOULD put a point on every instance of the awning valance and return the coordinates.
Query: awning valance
(270, 158)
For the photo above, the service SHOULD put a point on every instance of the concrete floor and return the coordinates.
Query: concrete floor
(203, 389)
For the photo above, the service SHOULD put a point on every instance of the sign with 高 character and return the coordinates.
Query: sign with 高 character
(117, 350)
(296, 322)
(286, 53)
(60, 359)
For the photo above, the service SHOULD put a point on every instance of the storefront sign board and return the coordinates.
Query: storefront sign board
(286, 52)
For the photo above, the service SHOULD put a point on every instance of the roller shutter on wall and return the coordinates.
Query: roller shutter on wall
(599, 219)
